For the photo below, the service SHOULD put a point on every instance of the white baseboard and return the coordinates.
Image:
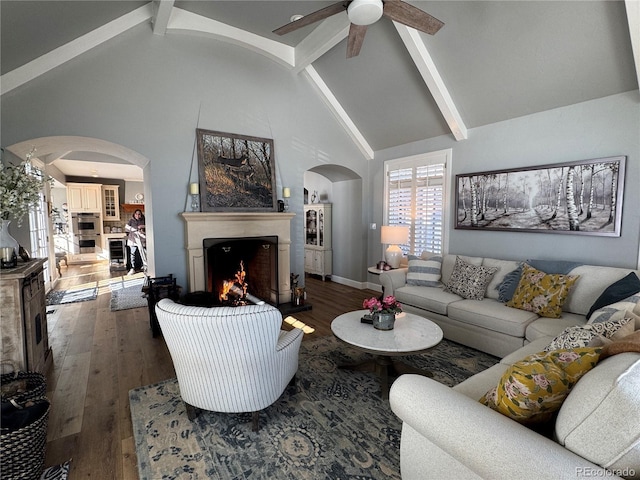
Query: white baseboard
(355, 284)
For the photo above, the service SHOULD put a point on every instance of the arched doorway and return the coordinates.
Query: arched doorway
(343, 188)
(47, 152)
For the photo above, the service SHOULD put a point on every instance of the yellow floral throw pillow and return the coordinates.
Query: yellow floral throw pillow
(542, 293)
(532, 390)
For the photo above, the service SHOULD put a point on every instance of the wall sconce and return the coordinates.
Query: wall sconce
(194, 190)
(286, 194)
(393, 236)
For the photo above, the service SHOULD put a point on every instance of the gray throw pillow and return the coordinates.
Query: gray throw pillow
(424, 273)
(508, 287)
(470, 281)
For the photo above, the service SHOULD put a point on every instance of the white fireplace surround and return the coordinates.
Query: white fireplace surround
(201, 225)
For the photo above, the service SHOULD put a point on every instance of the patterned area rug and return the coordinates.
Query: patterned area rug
(82, 294)
(126, 293)
(334, 424)
(57, 472)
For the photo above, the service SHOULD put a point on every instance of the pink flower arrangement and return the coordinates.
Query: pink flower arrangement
(386, 305)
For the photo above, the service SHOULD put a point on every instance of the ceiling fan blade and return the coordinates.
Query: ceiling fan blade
(313, 17)
(356, 37)
(411, 16)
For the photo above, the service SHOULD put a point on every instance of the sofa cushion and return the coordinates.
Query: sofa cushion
(433, 299)
(424, 273)
(600, 419)
(492, 315)
(541, 293)
(551, 327)
(583, 335)
(504, 268)
(593, 281)
(468, 280)
(607, 313)
(532, 391)
(623, 288)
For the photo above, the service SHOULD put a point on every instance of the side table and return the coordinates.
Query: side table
(156, 289)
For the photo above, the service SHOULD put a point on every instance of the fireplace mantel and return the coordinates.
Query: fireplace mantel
(201, 225)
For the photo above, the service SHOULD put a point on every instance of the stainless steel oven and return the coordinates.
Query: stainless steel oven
(86, 223)
(86, 243)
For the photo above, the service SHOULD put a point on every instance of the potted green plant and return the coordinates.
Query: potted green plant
(20, 190)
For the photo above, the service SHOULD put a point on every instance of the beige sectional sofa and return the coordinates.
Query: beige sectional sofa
(448, 433)
(488, 325)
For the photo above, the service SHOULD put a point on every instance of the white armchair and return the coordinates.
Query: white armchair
(229, 359)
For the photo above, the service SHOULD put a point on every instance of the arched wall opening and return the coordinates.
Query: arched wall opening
(47, 149)
(343, 188)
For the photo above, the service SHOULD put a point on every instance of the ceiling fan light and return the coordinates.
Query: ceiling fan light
(364, 12)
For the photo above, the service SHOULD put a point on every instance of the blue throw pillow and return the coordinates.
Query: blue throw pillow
(508, 286)
(616, 292)
(562, 267)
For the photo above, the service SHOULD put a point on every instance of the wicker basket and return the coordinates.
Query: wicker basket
(36, 384)
(23, 450)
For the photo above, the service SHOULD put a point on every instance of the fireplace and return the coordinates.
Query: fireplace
(237, 225)
(242, 270)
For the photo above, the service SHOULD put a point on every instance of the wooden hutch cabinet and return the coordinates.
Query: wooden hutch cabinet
(23, 314)
(317, 237)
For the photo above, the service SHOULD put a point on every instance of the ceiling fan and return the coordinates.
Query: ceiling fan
(365, 12)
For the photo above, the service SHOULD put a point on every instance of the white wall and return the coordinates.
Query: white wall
(314, 182)
(131, 189)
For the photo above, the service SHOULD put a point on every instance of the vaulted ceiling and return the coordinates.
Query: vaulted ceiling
(492, 60)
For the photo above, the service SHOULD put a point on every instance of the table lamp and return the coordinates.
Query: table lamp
(286, 194)
(394, 235)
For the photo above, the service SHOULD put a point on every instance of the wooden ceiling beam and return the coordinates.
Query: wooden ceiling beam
(323, 38)
(161, 15)
(187, 22)
(41, 65)
(340, 113)
(633, 18)
(423, 61)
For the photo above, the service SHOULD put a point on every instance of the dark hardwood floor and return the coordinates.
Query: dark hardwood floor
(99, 355)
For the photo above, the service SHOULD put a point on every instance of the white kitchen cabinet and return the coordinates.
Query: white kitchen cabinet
(318, 256)
(84, 197)
(110, 202)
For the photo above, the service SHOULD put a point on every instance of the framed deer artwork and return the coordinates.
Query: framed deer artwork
(578, 198)
(236, 172)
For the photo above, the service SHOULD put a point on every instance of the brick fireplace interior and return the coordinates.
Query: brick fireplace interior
(241, 270)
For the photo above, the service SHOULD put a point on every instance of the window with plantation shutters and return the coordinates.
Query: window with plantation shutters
(415, 195)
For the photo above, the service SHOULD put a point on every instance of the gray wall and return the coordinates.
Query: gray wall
(149, 93)
(599, 128)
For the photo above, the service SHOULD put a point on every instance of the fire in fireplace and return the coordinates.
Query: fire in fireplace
(242, 270)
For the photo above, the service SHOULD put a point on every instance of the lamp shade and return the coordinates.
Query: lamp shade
(394, 235)
(193, 189)
(286, 192)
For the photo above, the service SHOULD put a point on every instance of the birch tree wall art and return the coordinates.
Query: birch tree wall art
(583, 198)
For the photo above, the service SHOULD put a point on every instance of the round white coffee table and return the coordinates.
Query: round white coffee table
(411, 334)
